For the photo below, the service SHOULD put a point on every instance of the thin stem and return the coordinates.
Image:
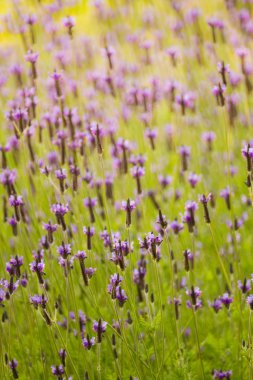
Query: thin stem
(198, 344)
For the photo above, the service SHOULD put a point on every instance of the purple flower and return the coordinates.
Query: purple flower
(64, 250)
(13, 266)
(13, 366)
(31, 56)
(50, 227)
(128, 206)
(249, 301)
(68, 21)
(219, 92)
(8, 177)
(216, 305)
(99, 327)
(226, 300)
(81, 255)
(164, 180)
(226, 194)
(30, 19)
(38, 300)
(219, 374)
(121, 296)
(60, 174)
(2, 295)
(88, 342)
(115, 280)
(188, 258)
(90, 203)
(176, 227)
(195, 301)
(59, 209)
(58, 370)
(193, 179)
(245, 286)
(89, 231)
(185, 153)
(15, 200)
(139, 274)
(37, 267)
(137, 171)
(90, 271)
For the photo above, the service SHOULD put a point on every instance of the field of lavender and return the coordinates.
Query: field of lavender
(126, 189)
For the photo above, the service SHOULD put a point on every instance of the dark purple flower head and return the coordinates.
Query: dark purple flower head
(194, 292)
(184, 151)
(89, 231)
(90, 202)
(139, 274)
(131, 205)
(64, 250)
(62, 353)
(195, 301)
(249, 301)
(225, 193)
(13, 266)
(59, 209)
(81, 255)
(219, 92)
(12, 221)
(8, 177)
(88, 342)
(203, 199)
(105, 236)
(57, 370)
(137, 171)
(164, 180)
(128, 206)
(191, 206)
(90, 271)
(176, 227)
(195, 306)
(37, 266)
(115, 280)
(2, 295)
(15, 200)
(13, 364)
(50, 227)
(193, 179)
(137, 160)
(38, 300)
(216, 305)
(226, 300)
(56, 76)
(121, 296)
(244, 286)
(99, 327)
(60, 174)
(219, 374)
